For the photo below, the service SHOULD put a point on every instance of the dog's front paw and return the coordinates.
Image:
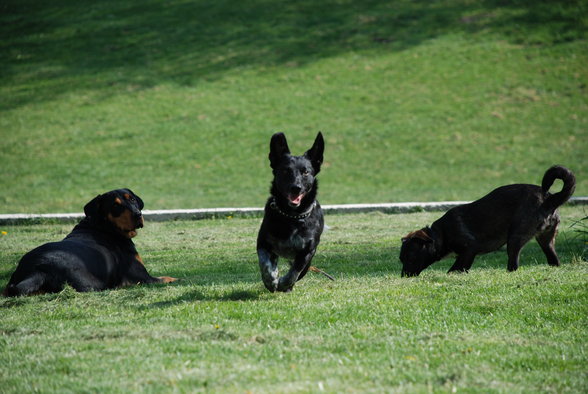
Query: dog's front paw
(269, 270)
(286, 282)
(167, 279)
(285, 288)
(269, 276)
(271, 285)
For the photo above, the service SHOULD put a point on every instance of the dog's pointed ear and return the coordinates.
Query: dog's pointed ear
(315, 154)
(139, 200)
(92, 208)
(278, 148)
(419, 234)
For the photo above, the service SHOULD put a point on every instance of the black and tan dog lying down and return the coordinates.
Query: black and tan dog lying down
(510, 215)
(98, 254)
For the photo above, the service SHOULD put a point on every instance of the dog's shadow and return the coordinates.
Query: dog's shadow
(197, 295)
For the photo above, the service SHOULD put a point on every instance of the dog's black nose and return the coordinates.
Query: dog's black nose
(295, 189)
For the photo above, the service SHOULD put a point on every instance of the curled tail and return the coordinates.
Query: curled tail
(569, 180)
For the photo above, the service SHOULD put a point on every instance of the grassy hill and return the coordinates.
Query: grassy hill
(178, 99)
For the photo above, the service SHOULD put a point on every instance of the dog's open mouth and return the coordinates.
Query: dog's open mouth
(295, 199)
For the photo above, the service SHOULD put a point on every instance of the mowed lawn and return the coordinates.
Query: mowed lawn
(219, 330)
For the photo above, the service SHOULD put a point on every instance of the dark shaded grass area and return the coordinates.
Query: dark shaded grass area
(222, 252)
(111, 46)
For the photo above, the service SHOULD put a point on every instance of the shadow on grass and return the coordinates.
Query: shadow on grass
(358, 260)
(109, 46)
(197, 295)
(369, 262)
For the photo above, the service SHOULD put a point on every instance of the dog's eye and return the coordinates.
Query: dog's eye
(305, 172)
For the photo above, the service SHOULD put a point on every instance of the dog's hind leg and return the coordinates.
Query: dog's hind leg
(31, 285)
(268, 264)
(85, 283)
(514, 245)
(546, 240)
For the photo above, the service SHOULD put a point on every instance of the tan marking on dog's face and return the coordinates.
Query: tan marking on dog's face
(124, 223)
(127, 196)
(118, 201)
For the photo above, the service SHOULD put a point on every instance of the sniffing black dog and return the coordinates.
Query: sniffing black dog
(293, 219)
(510, 215)
(98, 254)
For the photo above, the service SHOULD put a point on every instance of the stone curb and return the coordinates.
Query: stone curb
(198, 214)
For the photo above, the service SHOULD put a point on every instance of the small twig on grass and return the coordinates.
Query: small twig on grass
(318, 271)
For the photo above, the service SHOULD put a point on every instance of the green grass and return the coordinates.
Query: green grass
(219, 330)
(177, 100)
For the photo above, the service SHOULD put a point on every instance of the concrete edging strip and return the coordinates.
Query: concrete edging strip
(209, 213)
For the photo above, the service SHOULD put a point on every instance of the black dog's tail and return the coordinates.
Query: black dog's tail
(569, 185)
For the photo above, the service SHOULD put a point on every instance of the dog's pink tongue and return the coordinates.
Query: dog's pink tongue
(296, 199)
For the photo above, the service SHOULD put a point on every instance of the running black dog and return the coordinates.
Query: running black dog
(293, 219)
(510, 215)
(98, 254)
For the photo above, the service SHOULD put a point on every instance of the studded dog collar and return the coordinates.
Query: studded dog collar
(303, 215)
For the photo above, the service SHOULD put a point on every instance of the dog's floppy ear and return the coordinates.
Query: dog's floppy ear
(419, 234)
(139, 200)
(92, 208)
(278, 148)
(315, 154)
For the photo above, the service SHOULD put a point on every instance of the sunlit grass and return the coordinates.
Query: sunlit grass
(218, 329)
